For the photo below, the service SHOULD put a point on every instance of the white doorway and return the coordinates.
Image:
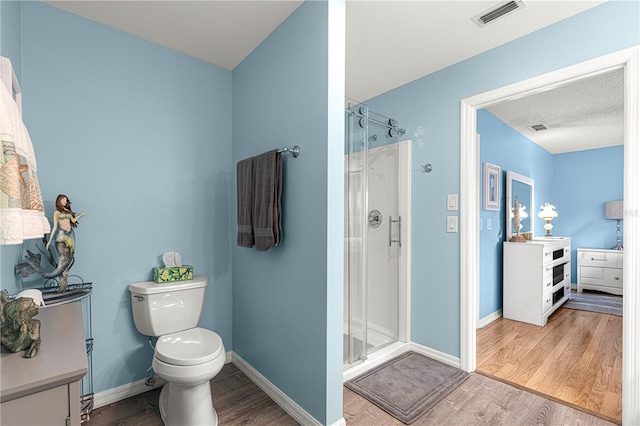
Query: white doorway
(629, 60)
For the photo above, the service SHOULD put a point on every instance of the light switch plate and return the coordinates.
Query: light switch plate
(481, 223)
(452, 223)
(452, 202)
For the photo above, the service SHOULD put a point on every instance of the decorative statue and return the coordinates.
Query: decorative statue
(517, 238)
(19, 331)
(64, 220)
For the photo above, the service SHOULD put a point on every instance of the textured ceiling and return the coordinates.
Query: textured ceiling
(585, 114)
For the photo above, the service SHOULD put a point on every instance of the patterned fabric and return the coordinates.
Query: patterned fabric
(21, 207)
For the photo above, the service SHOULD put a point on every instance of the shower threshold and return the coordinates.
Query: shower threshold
(374, 359)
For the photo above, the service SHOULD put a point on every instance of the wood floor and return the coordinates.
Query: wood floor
(478, 401)
(238, 401)
(576, 358)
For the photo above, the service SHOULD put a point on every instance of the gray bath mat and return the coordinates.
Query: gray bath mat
(407, 386)
(595, 303)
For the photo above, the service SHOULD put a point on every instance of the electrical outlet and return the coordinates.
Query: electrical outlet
(489, 224)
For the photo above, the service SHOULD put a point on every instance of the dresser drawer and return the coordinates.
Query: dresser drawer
(609, 277)
(600, 259)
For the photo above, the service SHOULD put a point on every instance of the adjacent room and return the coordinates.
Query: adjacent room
(225, 212)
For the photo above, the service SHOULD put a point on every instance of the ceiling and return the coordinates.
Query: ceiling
(389, 43)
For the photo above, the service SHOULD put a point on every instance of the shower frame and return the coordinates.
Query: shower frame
(362, 117)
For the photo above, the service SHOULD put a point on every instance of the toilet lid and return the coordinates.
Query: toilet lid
(189, 347)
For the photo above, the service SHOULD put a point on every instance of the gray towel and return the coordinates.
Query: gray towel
(266, 201)
(246, 183)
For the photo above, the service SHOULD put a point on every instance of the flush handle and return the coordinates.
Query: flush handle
(140, 298)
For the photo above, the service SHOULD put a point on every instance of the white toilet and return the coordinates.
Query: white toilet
(186, 356)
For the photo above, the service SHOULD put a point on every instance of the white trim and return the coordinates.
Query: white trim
(404, 274)
(128, 390)
(434, 354)
(469, 213)
(395, 350)
(483, 322)
(125, 391)
(279, 397)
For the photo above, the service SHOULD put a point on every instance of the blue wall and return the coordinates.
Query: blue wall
(503, 146)
(583, 182)
(577, 183)
(280, 297)
(138, 136)
(429, 108)
(108, 112)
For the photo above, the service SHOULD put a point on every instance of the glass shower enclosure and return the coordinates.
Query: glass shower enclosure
(373, 233)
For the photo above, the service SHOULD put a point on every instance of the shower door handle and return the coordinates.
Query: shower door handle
(399, 240)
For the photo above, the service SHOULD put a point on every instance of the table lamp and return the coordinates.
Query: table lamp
(614, 210)
(548, 212)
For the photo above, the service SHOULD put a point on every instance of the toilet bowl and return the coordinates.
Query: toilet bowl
(188, 360)
(187, 357)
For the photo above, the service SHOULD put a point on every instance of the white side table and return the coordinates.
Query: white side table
(600, 269)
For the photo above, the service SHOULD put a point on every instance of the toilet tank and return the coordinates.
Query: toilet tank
(160, 309)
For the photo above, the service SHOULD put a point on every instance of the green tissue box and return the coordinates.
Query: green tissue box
(169, 275)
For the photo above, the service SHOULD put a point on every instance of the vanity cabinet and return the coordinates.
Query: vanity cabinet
(600, 269)
(45, 389)
(536, 278)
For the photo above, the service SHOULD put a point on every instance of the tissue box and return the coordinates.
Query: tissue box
(169, 275)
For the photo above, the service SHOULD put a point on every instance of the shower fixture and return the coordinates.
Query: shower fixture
(365, 116)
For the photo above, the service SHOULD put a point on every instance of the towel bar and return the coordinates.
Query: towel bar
(295, 151)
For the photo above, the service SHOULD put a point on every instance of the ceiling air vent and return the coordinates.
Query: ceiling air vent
(537, 127)
(498, 11)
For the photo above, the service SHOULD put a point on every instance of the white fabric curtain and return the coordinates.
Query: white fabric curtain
(21, 207)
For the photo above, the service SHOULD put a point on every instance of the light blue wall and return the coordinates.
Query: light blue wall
(429, 108)
(583, 182)
(138, 136)
(510, 150)
(280, 304)
(577, 183)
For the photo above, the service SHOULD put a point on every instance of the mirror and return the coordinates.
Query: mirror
(522, 187)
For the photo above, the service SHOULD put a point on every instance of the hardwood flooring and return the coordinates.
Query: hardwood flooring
(238, 401)
(576, 358)
(478, 401)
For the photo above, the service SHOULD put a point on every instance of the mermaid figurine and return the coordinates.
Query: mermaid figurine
(64, 220)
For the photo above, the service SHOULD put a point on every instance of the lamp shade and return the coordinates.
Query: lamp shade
(613, 210)
(21, 207)
(547, 211)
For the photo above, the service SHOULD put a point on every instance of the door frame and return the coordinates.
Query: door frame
(629, 59)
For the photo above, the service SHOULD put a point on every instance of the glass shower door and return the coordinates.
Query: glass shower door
(373, 231)
(355, 296)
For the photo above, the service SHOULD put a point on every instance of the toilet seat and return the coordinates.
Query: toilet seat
(189, 347)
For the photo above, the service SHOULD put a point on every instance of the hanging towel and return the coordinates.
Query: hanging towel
(266, 208)
(246, 183)
(278, 206)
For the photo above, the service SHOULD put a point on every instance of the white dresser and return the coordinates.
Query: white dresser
(600, 269)
(536, 278)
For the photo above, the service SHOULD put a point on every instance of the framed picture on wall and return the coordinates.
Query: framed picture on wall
(490, 187)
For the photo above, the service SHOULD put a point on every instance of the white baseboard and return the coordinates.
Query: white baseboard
(128, 390)
(434, 354)
(483, 322)
(280, 398)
